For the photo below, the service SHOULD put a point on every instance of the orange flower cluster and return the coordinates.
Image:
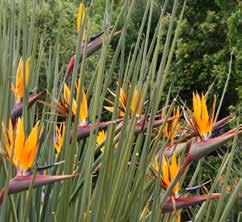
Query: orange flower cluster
(193, 128)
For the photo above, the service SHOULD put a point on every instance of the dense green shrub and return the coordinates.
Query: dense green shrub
(210, 29)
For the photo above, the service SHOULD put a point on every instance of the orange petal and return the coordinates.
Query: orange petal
(27, 71)
(83, 108)
(67, 93)
(174, 168)
(67, 97)
(165, 131)
(165, 171)
(18, 88)
(100, 137)
(204, 110)
(123, 98)
(195, 107)
(31, 147)
(121, 113)
(135, 101)
(19, 143)
(60, 135)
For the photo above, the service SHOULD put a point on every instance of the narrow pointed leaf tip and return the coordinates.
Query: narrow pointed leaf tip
(21, 149)
(18, 87)
(202, 121)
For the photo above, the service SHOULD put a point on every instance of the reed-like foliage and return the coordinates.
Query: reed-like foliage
(151, 159)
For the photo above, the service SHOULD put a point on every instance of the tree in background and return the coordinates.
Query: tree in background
(204, 48)
(210, 31)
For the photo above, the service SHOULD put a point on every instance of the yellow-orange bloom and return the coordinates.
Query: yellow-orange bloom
(59, 137)
(168, 172)
(202, 121)
(123, 100)
(101, 137)
(170, 129)
(21, 150)
(18, 88)
(83, 106)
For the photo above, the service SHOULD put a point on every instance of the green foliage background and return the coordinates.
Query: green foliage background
(210, 31)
